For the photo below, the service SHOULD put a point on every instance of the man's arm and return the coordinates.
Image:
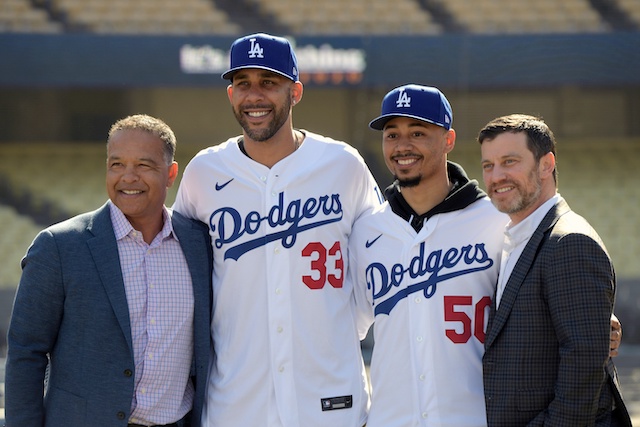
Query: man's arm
(580, 294)
(363, 307)
(35, 320)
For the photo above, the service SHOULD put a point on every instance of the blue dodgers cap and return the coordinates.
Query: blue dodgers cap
(424, 103)
(263, 51)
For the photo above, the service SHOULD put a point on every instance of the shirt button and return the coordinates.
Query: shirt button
(128, 372)
(120, 415)
(279, 329)
(418, 300)
(424, 415)
(263, 178)
(281, 369)
(421, 377)
(419, 339)
(278, 291)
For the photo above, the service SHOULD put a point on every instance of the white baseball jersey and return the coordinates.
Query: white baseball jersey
(430, 292)
(287, 351)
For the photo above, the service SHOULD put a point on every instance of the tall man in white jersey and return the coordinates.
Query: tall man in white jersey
(426, 262)
(280, 203)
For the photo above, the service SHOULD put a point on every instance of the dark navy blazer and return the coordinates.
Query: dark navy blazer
(71, 305)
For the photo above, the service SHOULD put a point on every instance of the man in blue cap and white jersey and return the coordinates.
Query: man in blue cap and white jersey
(279, 203)
(425, 264)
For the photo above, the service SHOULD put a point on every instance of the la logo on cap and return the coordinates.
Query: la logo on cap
(255, 51)
(404, 100)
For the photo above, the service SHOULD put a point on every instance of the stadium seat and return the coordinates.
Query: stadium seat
(337, 17)
(632, 8)
(522, 16)
(148, 16)
(20, 16)
(334, 17)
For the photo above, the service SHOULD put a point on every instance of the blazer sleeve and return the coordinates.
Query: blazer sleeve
(35, 320)
(580, 292)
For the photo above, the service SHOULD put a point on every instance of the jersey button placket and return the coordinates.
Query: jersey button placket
(280, 285)
(419, 335)
(279, 360)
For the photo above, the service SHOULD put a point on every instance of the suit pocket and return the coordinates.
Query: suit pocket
(64, 408)
(534, 400)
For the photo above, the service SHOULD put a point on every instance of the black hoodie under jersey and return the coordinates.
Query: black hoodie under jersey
(463, 193)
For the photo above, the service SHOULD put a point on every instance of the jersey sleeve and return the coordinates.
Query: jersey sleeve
(184, 200)
(363, 306)
(371, 196)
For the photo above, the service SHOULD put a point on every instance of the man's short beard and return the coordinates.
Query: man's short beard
(527, 197)
(280, 117)
(411, 182)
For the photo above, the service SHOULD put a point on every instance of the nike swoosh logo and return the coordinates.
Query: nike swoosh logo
(369, 243)
(221, 186)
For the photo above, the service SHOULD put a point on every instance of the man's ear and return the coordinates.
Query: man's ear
(547, 164)
(296, 92)
(173, 174)
(450, 137)
(229, 92)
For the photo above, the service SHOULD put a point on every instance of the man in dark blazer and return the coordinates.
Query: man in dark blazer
(546, 358)
(110, 325)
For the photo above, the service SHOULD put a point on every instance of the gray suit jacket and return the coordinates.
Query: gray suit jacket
(546, 349)
(71, 311)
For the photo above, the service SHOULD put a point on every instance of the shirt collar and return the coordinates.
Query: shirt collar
(122, 227)
(523, 230)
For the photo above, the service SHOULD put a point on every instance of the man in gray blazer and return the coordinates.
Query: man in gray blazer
(546, 358)
(110, 325)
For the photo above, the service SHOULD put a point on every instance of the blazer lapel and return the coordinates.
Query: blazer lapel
(197, 253)
(499, 317)
(104, 250)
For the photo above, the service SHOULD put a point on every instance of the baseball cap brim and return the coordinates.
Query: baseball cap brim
(228, 75)
(379, 122)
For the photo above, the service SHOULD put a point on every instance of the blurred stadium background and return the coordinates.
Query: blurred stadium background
(70, 68)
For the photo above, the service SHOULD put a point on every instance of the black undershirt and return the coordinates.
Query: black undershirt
(463, 193)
